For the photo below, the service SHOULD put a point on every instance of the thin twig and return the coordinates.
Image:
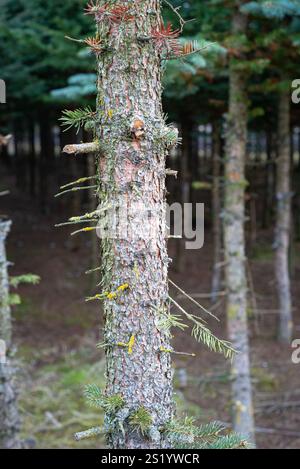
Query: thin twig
(194, 301)
(175, 10)
(91, 433)
(75, 189)
(183, 56)
(81, 41)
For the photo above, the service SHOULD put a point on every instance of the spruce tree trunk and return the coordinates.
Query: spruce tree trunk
(9, 417)
(132, 176)
(283, 220)
(234, 243)
(216, 209)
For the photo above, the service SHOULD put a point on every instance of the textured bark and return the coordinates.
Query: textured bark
(216, 208)
(5, 313)
(9, 417)
(132, 170)
(81, 148)
(234, 241)
(283, 220)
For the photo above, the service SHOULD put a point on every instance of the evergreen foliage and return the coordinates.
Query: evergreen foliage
(77, 118)
(95, 398)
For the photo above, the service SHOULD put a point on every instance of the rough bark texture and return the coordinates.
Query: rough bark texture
(132, 174)
(9, 417)
(216, 206)
(283, 219)
(234, 240)
(5, 314)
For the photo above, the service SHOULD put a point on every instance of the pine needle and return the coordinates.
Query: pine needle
(202, 334)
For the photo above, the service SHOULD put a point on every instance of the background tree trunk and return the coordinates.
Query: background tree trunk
(132, 173)
(32, 159)
(9, 417)
(283, 219)
(185, 185)
(216, 208)
(234, 240)
(5, 313)
(46, 160)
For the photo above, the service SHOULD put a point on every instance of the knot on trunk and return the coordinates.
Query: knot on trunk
(137, 129)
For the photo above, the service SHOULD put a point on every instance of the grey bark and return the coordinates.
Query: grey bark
(9, 416)
(5, 313)
(283, 220)
(132, 172)
(234, 244)
(216, 208)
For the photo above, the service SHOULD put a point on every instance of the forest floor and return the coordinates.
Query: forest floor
(56, 333)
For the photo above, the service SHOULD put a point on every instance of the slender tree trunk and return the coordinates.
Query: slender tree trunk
(132, 177)
(216, 209)
(283, 219)
(297, 203)
(269, 183)
(9, 417)
(5, 317)
(32, 160)
(234, 240)
(46, 160)
(185, 184)
(18, 157)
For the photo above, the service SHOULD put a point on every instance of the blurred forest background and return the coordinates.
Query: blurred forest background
(55, 331)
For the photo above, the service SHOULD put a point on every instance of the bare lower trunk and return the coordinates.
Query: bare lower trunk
(216, 208)
(135, 261)
(234, 239)
(9, 417)
(283, 221)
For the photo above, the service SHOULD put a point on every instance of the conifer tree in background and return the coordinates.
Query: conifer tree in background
(234, 237)
(217, 209)
(283, 218)
(284, 16)
(9, 416)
